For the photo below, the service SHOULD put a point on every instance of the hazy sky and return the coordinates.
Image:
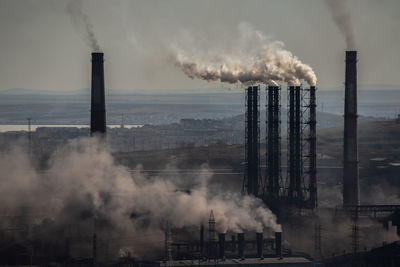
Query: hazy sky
(41, 48)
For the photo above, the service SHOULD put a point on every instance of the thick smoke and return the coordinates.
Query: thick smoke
(341, 17)
(249, 58)
(83, 183)
(82, 24)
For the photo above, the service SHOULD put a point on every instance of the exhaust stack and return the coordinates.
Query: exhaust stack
(98, 109)
(260, 243)
(351, 183)
(241, 245)
(221, 241)
(252, 172)
(278, 244)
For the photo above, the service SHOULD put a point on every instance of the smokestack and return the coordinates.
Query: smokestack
(252, 171)
(295, 153)
(201, 239)
(221, 245)
(273, 150)
(313, 152)
(260, 241)
(351, 184)
(278, 244)
(98, 110)
(94, 250)
(233, 243)
(241, 245)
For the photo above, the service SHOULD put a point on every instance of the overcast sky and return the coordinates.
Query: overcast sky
(41, 49)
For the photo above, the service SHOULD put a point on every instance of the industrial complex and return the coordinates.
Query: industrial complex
(281, 192)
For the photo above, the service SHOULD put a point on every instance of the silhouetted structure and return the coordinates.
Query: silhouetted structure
(273, 143)
(260, 241)
(98, 110)
(351, 184)
(221, 245)
(295, 147)
(252, 171)
(312, 139)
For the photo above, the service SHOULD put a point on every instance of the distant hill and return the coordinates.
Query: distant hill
(73, 107)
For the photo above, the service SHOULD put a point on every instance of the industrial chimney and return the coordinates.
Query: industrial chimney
(241, 245)
(260, 244)
(98, 110)
(252, 143)
(221, 246)
(278, 244)
(351, 184)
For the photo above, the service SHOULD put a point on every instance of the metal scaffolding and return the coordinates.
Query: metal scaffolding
(301, 147)
(311, 157)
(300, 186)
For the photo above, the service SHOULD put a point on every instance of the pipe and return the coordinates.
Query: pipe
(260, 242)
(298, 143)
(291, 144)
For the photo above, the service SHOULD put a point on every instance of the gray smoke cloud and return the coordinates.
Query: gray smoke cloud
(341, 17)
(248, 58)
(82, 24)
(83, 183)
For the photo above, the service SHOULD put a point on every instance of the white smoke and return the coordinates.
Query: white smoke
(83, 24)
(249, 58)
(341, 17)
(83, 178)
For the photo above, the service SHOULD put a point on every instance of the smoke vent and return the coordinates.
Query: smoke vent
(221, 245)
(351, 184)
(201, 239)
(260, 243)
(233, 243)
(278, 244)
(98, 110)
(241, 245)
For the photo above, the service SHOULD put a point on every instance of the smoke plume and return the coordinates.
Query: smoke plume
(82, 24)
(249, 58)
(83, 184)
(341, 17)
